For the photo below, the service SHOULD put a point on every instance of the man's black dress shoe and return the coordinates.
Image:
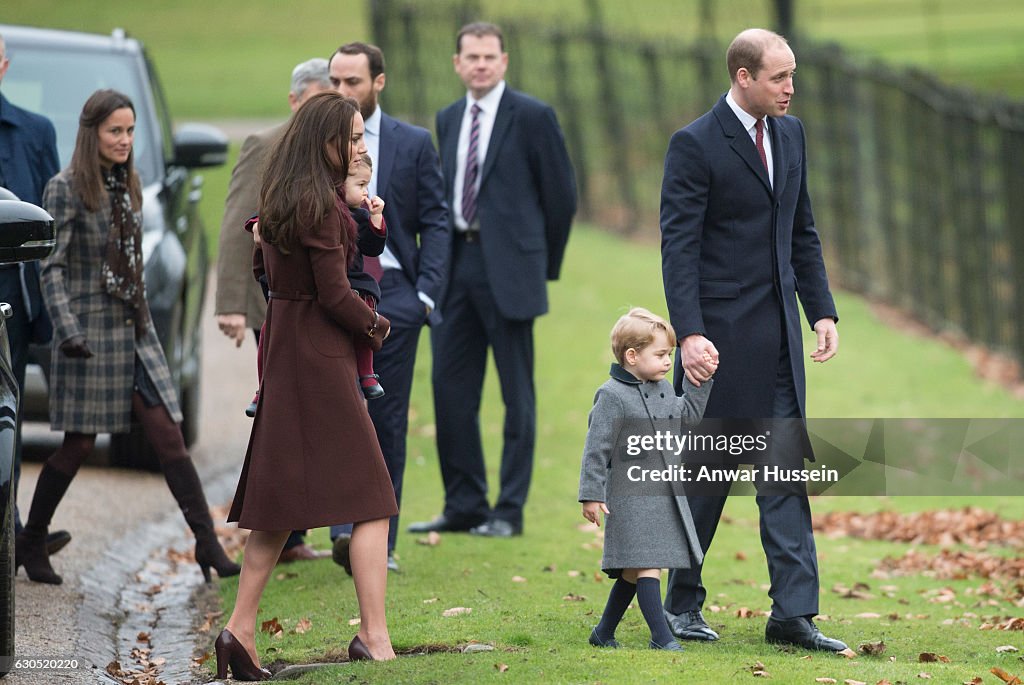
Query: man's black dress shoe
(441, 524)
(340, 552)
(690, 625)
(56, 541)
(802, 632)
(496, 528)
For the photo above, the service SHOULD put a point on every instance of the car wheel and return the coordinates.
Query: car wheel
(7, 584)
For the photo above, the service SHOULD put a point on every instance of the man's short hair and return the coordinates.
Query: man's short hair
(309, 72)
(747, 50)
(373, 55)
(636, 329)
(479, 29)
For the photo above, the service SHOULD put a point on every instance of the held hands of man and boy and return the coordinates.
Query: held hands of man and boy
(700, 356)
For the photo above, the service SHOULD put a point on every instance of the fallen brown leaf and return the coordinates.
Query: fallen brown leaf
(501, 668)
(976, 680)
(826, 681)
(932, 657)
(550, 568)
(924, 676)
(1013, 624)
(456, 611)
(303, 626)
(868, 614)
(272, 626)
(872, 648)
(1003, 649)
(848, 653)
(884, 681)
(433, 539)
(741, 556)
(518, 579)
(200, 660)
(1004, 676)
(851, 681)
(573, 597)
(431, 600)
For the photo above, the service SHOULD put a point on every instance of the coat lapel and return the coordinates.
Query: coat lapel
(502, 123)
(780, 156)
(386, 153)
(450, 144)
(741, 143)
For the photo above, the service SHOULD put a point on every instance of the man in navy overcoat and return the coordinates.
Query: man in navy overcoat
(28, 159)
(738, 245)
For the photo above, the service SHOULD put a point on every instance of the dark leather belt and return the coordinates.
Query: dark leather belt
(469, 236)
(278, 295)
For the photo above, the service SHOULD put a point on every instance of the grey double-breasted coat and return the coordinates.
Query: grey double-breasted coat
(93, 395)
(647, 525)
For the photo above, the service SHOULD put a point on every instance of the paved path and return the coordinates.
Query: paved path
(118, 578)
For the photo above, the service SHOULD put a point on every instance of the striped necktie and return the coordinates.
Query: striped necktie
(472, 168)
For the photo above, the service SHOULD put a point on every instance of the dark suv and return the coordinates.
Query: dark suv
(26, 232)
(53, 73)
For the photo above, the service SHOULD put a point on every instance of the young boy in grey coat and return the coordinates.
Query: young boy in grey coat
(650, 527)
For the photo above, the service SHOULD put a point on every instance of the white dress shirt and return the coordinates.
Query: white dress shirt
(749, 123)
(488, 105)
(371, 135)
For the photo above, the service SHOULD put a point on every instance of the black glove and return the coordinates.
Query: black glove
(76, 347)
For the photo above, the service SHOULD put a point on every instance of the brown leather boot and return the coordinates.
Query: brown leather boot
(184, 484)
(30, 544)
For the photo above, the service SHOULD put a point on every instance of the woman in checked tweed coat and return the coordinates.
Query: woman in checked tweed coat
(106, 359)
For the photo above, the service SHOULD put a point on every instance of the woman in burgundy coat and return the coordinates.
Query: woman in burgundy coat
(313, 456)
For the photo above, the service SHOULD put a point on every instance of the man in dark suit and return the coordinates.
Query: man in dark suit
(512, 191)
(738, 236)
(407, 176)
(28, 159)
(240, 302)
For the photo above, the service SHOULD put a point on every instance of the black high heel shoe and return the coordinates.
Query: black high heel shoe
(357, 651)
(230, 652)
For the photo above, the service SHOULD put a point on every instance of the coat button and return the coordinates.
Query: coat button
(663, 395)
(128, 322)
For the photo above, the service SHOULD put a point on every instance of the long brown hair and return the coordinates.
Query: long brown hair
(300, 182)
(86, 169)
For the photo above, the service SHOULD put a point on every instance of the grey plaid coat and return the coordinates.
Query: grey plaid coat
(92, 395)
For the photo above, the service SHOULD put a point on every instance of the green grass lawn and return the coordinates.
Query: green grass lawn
(541, 636)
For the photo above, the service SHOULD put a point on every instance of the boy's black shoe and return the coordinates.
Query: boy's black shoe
(596, 640)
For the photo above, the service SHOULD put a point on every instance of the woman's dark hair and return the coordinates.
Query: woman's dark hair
(300, 182)
(86, 168)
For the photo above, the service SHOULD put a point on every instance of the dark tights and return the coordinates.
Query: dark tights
(161, 432)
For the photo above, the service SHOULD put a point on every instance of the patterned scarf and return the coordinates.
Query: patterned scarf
(122, 267)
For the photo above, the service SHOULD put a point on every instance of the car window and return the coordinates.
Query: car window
(57, 83)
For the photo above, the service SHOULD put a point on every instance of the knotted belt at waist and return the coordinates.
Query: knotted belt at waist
(284, 295)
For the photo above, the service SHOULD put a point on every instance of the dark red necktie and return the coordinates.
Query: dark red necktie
(759, 141)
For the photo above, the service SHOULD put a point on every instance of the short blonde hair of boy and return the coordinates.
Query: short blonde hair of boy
(636, 329)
